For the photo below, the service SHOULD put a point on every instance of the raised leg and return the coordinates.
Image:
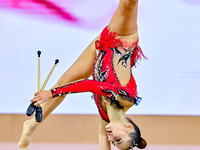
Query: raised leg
(82, 68)
(124, 20)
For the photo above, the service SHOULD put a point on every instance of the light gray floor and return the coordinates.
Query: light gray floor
(64, 146)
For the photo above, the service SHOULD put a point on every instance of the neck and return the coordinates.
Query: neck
(115, 115)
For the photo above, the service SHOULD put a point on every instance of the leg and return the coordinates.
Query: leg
(124, 20)
(31, 125)
(83, 69)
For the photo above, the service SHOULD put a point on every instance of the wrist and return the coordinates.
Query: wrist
(54, 93)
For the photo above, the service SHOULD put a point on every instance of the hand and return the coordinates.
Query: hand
(41, 97)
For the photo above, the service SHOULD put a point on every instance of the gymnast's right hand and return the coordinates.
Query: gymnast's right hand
(41, 97)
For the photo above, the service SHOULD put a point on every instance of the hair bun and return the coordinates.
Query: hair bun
(141, 143)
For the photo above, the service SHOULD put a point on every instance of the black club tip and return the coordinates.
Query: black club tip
(39, 53)
(56, 61)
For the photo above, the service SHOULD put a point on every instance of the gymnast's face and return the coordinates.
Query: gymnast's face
(118, 134)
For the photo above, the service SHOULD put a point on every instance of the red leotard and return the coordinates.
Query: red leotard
(106, 81)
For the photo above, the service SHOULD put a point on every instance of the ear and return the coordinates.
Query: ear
(141, 143)
(129, 127)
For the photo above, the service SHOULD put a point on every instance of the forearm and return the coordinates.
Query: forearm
(97, 87)
(104, 144)
(86, 85)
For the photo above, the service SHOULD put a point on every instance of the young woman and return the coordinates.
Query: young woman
(108, 59)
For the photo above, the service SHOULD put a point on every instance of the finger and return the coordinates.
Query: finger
(36, 98)
(33, 100)
(36, 93)
(38, 103)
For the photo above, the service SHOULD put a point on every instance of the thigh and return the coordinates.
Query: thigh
(82, 67)
(124, 20)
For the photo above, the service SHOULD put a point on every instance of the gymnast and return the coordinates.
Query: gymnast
(109, 59)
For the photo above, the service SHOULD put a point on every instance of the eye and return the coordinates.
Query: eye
(118, 139)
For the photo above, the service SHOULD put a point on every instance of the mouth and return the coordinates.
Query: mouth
(109, 132)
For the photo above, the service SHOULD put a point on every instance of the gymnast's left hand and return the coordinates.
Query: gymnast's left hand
(41, 97)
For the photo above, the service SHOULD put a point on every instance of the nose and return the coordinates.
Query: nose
(110, 137)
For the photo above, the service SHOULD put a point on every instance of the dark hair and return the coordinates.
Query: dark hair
(136, 139)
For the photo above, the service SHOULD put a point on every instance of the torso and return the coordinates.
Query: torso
(113, 65)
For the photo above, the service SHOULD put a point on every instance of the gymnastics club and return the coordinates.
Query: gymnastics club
(38, 114)
(38, 109)
(32, 107)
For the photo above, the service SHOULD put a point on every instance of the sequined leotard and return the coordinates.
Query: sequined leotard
(112, 77)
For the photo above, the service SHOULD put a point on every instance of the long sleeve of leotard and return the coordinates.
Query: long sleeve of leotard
(96, 87)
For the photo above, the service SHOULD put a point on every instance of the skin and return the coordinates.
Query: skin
(116, 132)
(124, 23)
(119, 128)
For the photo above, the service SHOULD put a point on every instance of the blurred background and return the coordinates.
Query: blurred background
(169, 33)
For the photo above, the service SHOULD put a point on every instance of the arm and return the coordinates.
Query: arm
(97, 87)
(104, 144)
